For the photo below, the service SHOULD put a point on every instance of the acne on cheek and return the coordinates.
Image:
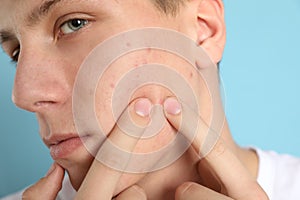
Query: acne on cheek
(112, 86)
(191, 75)
(140, 61)
(147, 56)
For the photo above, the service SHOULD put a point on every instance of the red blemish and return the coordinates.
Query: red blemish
(112, 85)
(144, 61)
(128, 44)
(191, 75)
(141, 62)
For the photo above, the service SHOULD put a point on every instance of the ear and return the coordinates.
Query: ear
(211, 31)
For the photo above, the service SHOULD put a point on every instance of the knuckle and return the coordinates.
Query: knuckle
(218, 150)
(31, 192)
(34, 192)
(28, 194)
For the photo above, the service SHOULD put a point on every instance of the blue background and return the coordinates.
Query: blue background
(260, 72)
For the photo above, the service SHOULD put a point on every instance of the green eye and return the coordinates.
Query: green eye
(73, 25)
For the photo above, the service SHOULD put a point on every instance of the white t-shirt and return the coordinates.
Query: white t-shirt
(279, 176)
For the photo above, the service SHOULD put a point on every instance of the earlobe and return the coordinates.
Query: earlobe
(211, 31)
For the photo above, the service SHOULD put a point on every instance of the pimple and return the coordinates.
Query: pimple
(191, 75)
(144, 61)
(141, 62)
(112, 85)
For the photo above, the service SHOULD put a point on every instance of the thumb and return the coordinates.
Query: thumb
(48, 187)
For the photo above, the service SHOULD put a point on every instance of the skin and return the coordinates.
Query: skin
(47, 66)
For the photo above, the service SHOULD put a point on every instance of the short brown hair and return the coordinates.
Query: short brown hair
(170, 7)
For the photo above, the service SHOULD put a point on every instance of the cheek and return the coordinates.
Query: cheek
(196, 81)
(104, 103)
(108, 82)
(107, 86)
(201, 92)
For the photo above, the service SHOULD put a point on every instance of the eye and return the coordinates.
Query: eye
(73, 25)
(15, 55)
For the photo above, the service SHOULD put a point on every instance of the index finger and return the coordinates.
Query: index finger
(101, 180)
(232, 174)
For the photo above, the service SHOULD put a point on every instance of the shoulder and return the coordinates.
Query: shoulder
(279, 175)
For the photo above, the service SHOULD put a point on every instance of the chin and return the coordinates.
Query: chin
(78, 163)
(78, 173)
(77, 166)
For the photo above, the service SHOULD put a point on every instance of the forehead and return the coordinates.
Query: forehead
(7, 6)
(18, 10)
(12, 9)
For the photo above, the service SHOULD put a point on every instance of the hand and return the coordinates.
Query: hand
(49, 186)
(101, 181)
(234, 179)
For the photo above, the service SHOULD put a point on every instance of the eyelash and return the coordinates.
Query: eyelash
(15, 55)
(16, 52)
(69, 23)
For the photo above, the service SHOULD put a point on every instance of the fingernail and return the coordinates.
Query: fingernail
(52, 168)
(143, 107)
(172, 106)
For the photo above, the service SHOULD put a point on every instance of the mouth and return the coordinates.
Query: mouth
(62, 145)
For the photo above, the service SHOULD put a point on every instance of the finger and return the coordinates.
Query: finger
(48, 187)
(133, 193)
(101, 180)
(193, 191)
(232, 174)
(186, 121)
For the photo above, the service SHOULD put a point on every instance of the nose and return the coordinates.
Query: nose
(41, 80)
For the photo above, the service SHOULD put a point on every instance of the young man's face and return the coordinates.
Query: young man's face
(51, 39)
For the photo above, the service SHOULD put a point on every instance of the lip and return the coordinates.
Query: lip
(62, 145)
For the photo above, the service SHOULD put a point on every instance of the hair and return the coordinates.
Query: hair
(169, 7)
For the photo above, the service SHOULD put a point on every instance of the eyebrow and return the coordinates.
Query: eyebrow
(41, 11)
(35, 16)
(6, 36)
